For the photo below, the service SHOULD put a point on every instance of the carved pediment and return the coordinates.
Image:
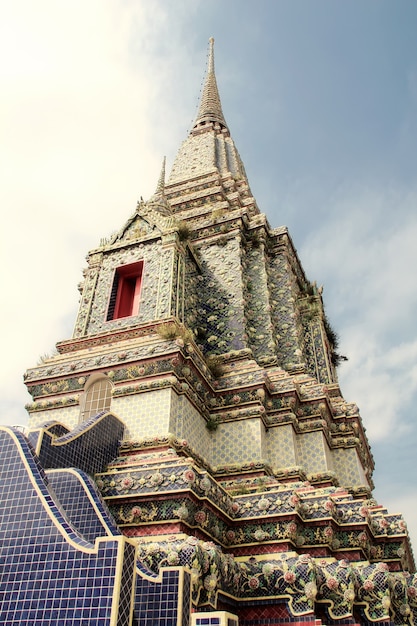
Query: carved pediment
(146, 221)
(158, 212)
(137, 227)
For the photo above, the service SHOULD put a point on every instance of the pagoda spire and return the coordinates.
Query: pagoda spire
(209, 147)
(160, 188)
(210, 109)
(159, 201)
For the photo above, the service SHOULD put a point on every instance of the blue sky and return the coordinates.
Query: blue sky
(321, 100)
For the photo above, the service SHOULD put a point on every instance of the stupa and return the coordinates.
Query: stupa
(190, 458)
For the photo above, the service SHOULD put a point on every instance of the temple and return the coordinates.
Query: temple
(190, 458)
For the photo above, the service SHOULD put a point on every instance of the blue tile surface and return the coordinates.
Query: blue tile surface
(90, 446)
(49, 573)
(62, 558)
(165, 604)
(81, 503)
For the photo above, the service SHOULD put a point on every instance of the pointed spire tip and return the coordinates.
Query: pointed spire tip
(161, 181)
(210, 109)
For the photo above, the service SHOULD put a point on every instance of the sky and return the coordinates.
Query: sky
(321, 100)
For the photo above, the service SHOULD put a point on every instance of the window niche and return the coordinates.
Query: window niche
(97, 396)
(125, 293)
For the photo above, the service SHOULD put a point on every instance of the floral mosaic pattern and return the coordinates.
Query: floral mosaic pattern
(164, 487)
(301, 581)
(284, 290)
(259, 327)
(278, 399)
(220, 318)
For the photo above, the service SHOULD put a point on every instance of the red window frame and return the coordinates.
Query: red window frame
(125, 297)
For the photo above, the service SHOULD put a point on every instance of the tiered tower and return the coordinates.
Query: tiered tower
(198, 329)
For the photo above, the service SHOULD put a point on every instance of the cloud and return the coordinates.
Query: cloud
(83, 99)
(363, 253)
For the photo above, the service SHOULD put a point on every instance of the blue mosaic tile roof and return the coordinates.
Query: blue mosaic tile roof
(90, 446)
(82, 504)
(63, 561)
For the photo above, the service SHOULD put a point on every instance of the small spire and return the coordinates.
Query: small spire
(210, 109)
(160, 188)
(159, 201)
